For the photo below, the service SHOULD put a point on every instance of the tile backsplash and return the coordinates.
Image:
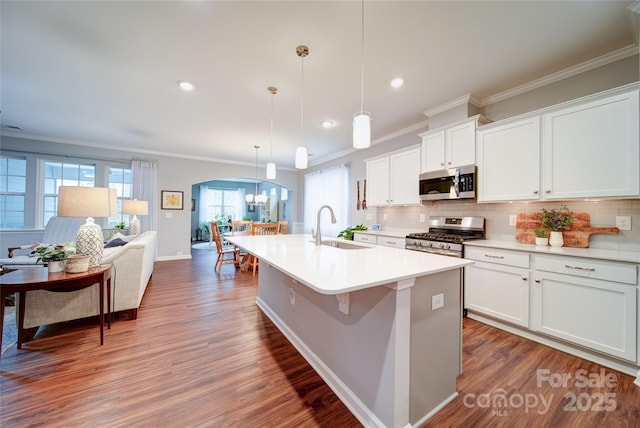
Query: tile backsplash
(603, 214)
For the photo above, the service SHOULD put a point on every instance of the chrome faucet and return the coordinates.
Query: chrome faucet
(333, 220)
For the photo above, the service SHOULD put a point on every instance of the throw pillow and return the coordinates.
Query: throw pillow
(117, 242)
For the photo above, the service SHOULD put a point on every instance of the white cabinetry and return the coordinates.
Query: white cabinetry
(385, 240)
(592, 303)
(583, 149)
(509, 161)
(393, 179)
(450, 147)
(591, 150)
(497, 285)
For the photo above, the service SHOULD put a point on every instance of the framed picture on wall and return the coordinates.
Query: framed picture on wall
(193, 204)
(171, 200)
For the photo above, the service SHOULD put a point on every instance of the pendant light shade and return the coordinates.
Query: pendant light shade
(362, 119)
(301, 151)
(301, 157)
(361, 130)
(271, 171)
(271, 166)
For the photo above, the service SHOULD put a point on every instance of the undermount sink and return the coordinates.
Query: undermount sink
(344, 245)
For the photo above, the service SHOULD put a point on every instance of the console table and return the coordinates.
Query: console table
(23, 280)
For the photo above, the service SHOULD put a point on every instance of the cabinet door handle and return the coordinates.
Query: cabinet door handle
(494, 257)
(547, 191)
(441, 163)
(535, 192)
(524, 278)
(449, 162)
(580, 268)
(537, 280)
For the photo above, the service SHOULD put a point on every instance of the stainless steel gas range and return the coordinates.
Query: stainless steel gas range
(446, 235)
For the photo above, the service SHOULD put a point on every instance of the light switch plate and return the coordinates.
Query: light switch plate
(512, 220)
(623, 222)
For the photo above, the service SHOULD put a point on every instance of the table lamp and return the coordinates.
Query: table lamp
(88, 202)
(135, 207)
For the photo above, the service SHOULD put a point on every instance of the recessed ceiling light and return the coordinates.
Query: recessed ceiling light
(397, 82)
(328, 124)
(186, 86)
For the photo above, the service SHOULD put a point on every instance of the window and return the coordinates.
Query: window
(220, 203)
(120, 179)
(58, 174)
(327, 187)
(13, 183)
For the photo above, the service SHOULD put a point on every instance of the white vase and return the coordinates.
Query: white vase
(555, 239)
(542, 242)
(56, 266)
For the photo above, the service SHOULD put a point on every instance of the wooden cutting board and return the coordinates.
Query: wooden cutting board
(577, 236)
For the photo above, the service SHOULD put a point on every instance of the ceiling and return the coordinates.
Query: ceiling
(105, 74)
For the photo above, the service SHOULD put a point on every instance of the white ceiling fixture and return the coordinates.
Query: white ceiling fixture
(271, 165)
(362, 119)
(301, 151)
(186, 86)
(328, 124)
(397, 82)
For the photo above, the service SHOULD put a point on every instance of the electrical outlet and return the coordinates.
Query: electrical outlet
(384, 217)
(623, 222)
(437, 301)
(292, 297)
(512, 220)
(422, 218)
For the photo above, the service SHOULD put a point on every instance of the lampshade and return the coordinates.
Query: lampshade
(361, 130)
(85, 201)
(301, 157)
(88, 202)
(135, 207)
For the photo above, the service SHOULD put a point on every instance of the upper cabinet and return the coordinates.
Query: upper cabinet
(452, 146)
(583, 149)
(393, 179)
(591, 150)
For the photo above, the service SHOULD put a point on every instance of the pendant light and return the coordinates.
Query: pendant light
(271, 166)
(301, 151)
(256, 199)
(362, 119)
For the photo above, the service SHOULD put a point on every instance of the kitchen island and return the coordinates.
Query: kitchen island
(382, 326)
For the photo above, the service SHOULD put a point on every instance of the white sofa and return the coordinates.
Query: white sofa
(132, 268)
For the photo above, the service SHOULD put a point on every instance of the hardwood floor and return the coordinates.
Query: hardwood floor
(202, 354)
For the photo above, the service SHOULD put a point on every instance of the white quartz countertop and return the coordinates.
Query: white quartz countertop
(591, 253)
(330, 270)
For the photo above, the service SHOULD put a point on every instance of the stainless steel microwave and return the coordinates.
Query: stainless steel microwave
(454, 183)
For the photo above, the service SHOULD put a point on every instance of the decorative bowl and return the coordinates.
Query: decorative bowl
(77, 263)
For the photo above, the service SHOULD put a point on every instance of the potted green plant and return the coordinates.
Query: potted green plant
(54, 255)
(556, 220)
(542, 237)
(205, 231)
(348, 232)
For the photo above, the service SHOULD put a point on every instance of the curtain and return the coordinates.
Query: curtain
(145, 188)
(328, 186)
(203, 211)
(242, 198)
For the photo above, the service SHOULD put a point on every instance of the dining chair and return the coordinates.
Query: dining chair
(239, 228)
(260, 229)
(283, 227)
(223, 250)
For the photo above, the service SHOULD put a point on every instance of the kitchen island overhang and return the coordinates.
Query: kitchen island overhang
(363, 319)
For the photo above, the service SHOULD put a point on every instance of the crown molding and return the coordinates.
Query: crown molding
(465, 99)
(562, 74)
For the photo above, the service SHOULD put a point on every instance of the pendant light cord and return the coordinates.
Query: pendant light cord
(271, 151)
(362, 64)
(302, 104)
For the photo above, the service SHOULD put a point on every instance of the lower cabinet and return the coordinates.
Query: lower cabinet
(385, 240)
(497, 284)
(591, 303)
